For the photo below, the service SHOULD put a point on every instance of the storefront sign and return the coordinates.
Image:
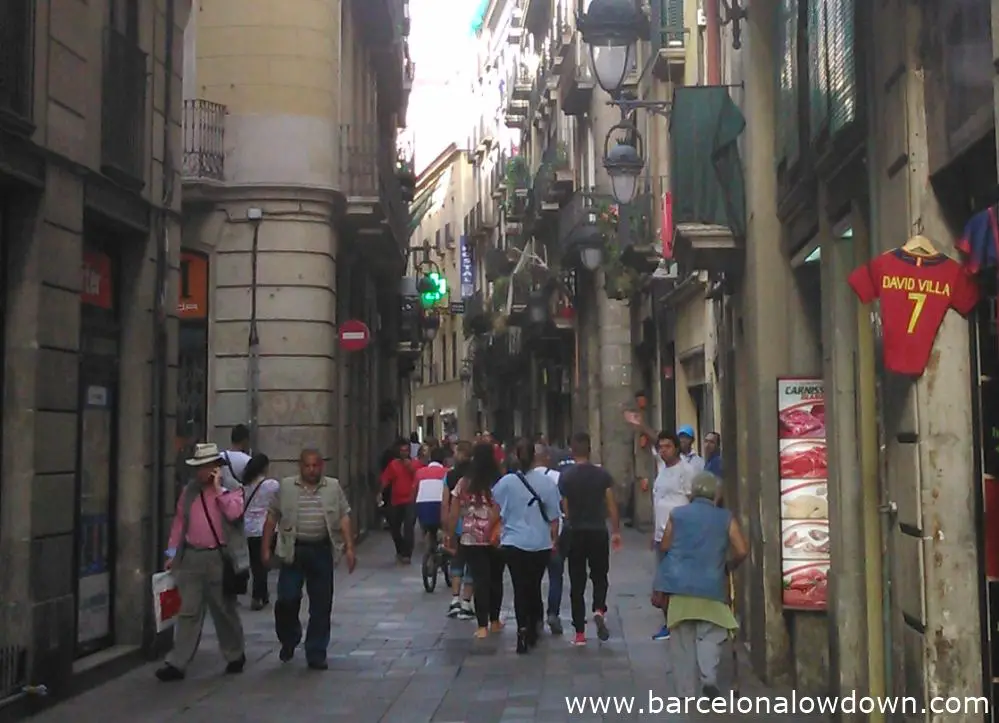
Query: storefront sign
(192, 302)
(97, 280)
(466, 268)
(801, 423)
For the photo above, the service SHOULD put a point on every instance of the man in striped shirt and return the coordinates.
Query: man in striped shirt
(311, 516)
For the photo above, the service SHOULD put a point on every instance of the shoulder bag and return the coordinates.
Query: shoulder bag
(233, 583)
(535, 497)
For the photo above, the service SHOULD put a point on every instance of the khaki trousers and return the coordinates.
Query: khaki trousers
(696, 648)
(199, 581)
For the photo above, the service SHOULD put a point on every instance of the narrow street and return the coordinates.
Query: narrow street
(396, 658)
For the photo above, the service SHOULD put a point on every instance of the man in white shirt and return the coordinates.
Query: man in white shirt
(687, 452)
(235, 458)
(670, 490)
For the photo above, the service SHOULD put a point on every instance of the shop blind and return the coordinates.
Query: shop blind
(786, 124)
(841, 63)
(818, 76)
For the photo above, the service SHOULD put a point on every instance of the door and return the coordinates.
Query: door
(96, 491)
(96, 463)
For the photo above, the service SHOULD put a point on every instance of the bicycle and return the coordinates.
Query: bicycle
(434, 559)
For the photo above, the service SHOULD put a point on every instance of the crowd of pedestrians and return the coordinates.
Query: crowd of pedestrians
(529, 509)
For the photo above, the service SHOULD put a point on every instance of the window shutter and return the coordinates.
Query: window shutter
(818, 75)
(842, 64)
(786, 124)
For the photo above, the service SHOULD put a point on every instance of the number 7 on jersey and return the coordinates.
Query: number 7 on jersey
(918, 300)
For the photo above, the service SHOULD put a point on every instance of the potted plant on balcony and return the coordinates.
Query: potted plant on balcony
(518, 175)
(621, 281)
(502, 314)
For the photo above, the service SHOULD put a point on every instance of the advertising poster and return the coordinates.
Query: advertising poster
(466, 270)
(801, 423)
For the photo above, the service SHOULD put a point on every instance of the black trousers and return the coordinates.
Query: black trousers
(527, 568)
(258, 570)
(486, 564)
(589, 551)
(402, 519)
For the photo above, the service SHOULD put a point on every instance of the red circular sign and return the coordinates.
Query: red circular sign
(354, 335)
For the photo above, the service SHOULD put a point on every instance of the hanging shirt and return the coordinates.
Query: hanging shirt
(915, 294)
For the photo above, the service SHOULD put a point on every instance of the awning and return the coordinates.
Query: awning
(707, 180)
(706, 170)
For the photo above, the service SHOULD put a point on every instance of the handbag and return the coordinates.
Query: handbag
(233, 583)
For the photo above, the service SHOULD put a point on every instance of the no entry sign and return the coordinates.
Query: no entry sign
(354, 335)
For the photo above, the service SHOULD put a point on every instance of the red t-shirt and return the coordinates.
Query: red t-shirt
(499, 454)
(402, 480)
(915, 294)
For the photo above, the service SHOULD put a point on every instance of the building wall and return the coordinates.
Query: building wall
(441, 389)
(47, 375)
(300, 134)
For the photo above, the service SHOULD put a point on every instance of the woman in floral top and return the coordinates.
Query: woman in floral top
(479, 516)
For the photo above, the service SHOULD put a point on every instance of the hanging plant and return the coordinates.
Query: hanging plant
(518, 175)
(620, 280)
(561, 160)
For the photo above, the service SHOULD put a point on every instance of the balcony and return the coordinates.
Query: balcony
(376, 188)
(17, 23)
(123, 110)
(669, 40)
(383, 25)
(560, 37)
(498, 174)
(577, 227)
(498, 264)
(516, 32)
(576, 81)
(204, 142)
(476, 319)
(408, 80)
(707, 180)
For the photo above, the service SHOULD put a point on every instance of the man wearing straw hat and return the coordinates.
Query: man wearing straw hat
(207, 518)
(705, 543)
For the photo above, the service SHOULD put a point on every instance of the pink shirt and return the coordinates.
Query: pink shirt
(199, 533)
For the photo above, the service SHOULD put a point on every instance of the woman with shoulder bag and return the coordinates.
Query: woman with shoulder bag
(478, 514)
(529, 509)
(259, 491)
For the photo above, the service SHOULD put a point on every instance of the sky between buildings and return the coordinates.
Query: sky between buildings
(442, 44)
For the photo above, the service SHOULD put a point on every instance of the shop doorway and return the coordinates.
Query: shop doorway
(96, 480)
(192, 359)
(4, 231)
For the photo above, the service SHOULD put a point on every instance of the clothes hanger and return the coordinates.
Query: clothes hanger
(919, 245)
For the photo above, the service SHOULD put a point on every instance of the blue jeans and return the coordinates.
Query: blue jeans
(556, 571)
(313, 568)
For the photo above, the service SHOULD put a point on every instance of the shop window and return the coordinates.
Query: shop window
(192, 360)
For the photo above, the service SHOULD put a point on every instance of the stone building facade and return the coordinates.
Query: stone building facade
(296, 210)
(90, 194)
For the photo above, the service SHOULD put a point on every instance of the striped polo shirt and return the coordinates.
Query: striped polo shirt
(311, 518)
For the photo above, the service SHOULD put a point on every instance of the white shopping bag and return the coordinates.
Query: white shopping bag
(166, 600)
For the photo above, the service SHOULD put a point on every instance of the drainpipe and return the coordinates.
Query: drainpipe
(253, 343)
(713, 44)
(160, 310)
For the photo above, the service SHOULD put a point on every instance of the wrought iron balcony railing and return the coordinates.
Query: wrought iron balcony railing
(204, 140)
(123, 108)
(17, 21)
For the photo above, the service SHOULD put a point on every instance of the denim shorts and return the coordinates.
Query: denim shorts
(459, 568)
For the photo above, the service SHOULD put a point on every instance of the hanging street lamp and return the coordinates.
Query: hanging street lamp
(612, 29)
(624, 162)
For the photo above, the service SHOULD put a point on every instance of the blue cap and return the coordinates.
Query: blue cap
(685, 430)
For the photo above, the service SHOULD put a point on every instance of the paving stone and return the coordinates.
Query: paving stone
(396, 658)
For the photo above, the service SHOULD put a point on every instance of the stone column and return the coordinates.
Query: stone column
(616, 395)
(766, 296)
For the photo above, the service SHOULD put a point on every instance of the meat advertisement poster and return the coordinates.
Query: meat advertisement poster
(801, 423)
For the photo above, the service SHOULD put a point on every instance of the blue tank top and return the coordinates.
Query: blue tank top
(695, 564)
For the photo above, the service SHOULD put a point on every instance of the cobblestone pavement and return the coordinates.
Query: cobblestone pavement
(396, 658)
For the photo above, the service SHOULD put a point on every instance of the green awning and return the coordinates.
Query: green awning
(708, 183)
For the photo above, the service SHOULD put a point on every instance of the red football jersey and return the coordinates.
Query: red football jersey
(915, 293)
